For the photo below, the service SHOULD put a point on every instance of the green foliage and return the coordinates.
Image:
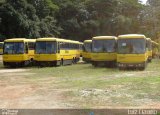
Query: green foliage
(48, 27)
(77, 19)
(18, 19)
(150, 17)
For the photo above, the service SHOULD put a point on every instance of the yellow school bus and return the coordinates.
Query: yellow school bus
(149, 48)
(155, 47)
(132, 51)
(104, 50)
(1, 47)
(56, 51)
(87, 49)
(18, 52)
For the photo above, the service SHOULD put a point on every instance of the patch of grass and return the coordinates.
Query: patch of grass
(1, 65)
(86, 86)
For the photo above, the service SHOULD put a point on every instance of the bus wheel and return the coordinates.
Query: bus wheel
(31, 62)
(95, 64)
(150, 60)
(25, 63)
(5, 64)
(142, 68)
(22, 64)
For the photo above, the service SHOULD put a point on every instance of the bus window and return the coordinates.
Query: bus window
(131, 46)
(104, 45)
(45, 47)
(14, 48)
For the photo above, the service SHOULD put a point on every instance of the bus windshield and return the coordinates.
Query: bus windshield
(87, 47)
(131, 46)
(104, 46)
(14, 48)
(45, 47)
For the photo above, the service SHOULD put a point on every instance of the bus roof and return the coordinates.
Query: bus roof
(149, 39)
(31, 40)
(87, 41)
(58, 39)
(49, 39)
(131, 36)
(19, 40)
(104, 37)
(81, 43)
(72, 41)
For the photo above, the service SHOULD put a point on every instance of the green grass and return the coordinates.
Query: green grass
(1, 65)
(87, 86)
(135, 86)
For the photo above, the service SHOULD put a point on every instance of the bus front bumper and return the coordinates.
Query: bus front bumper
(124, 65)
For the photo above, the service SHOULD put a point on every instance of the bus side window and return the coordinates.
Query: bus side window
(26, 48)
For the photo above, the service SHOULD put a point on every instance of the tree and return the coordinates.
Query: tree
(150, 19)
(18, 19)
(126, 19)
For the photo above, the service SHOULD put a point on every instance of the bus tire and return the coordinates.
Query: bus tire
(143, 67)
(31, 62)
(95, 64)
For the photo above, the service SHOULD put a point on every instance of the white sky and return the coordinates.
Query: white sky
(143, 1)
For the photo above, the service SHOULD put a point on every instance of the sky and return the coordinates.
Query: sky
(143, 1)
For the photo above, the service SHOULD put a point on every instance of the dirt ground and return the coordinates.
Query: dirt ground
(17, 91)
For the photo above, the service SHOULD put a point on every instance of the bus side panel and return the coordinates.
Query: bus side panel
(69, 54)
(103, 56)
(149, 54)
(47, 57)
(132, 58)
(86, 55)
(31, 54)
(15, 58)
